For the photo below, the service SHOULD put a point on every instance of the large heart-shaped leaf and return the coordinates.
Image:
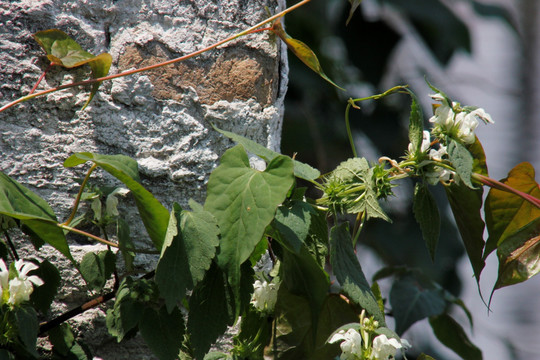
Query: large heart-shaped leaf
(36, 216)
(64, 51)
(244, 201)
(155, 216)
(301, 170)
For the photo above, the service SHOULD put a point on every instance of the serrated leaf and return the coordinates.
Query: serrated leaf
(506, 213)
(302, 51)
(187, 253)
(36, 216)
(452, 335)
(413, 299)
(43, 296)
(426, 214)
(293, 221)
(244, 201)
(97, 268)
(354, 6)
(64, 51)
(348, 272)
(163, 331)
(209, 319)
(416, 123)
(154, 215)
(301, 170)
(462, 161)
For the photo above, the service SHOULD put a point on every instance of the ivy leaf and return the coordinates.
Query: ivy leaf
(302, 51)
(154, 215)
(190, 246)
(163, 331)
(349, 272)
(518, 255)
(64, 51)
(426, 214)
(414, 298)
(301, 170)
(452, 335)
(36, 217)
(354, 6)
(506, 213)
(244, 201)
(462, 160)
(97, 268)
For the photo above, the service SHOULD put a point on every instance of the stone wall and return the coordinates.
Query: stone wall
(161, 118)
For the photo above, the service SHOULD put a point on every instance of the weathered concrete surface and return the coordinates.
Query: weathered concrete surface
(161, 118)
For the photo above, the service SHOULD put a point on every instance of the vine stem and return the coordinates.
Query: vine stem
(503, 187)
(155, 66)
(103, 241)
(78, 198)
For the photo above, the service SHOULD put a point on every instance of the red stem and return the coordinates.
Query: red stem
(503, 187)
(41, 78)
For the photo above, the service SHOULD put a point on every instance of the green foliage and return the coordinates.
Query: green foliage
(163, 331)
(426, 214)
(97, 268)
(64, 51)
(451, 334)
(43, 296)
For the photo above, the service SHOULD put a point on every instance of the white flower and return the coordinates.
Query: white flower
(351, 345)
(426, 142)
(4, 282)
(438, 174)
(19, 288)
(264, 295)
(384, 348)
(457, 122)
(437, 155)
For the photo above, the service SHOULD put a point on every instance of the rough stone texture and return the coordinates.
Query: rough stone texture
(161, 118)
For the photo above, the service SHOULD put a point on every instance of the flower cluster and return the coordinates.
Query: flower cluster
(356, 344)
(450, 121)
(17, 287)
(264, 295)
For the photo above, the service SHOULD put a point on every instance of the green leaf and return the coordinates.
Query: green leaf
(462, 160)
(452, 335)
(43, 296)
(506, 213)
(163, 331)
(64, 51)
(426, 214)
(211, 310)
(416, 123)
(132, 298)
(301, 170)
(244, 201)
(302, 51)
(97, 268)
(36, 216)
(187, 253)
(293, 221)
(154, 215)
(466, 204)
(62, 338)
(414, 298)
(354, 6)
(496, 11)
(348, 272)
(27, 327)
(424, 357)
(255, 334)
(302, 275)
